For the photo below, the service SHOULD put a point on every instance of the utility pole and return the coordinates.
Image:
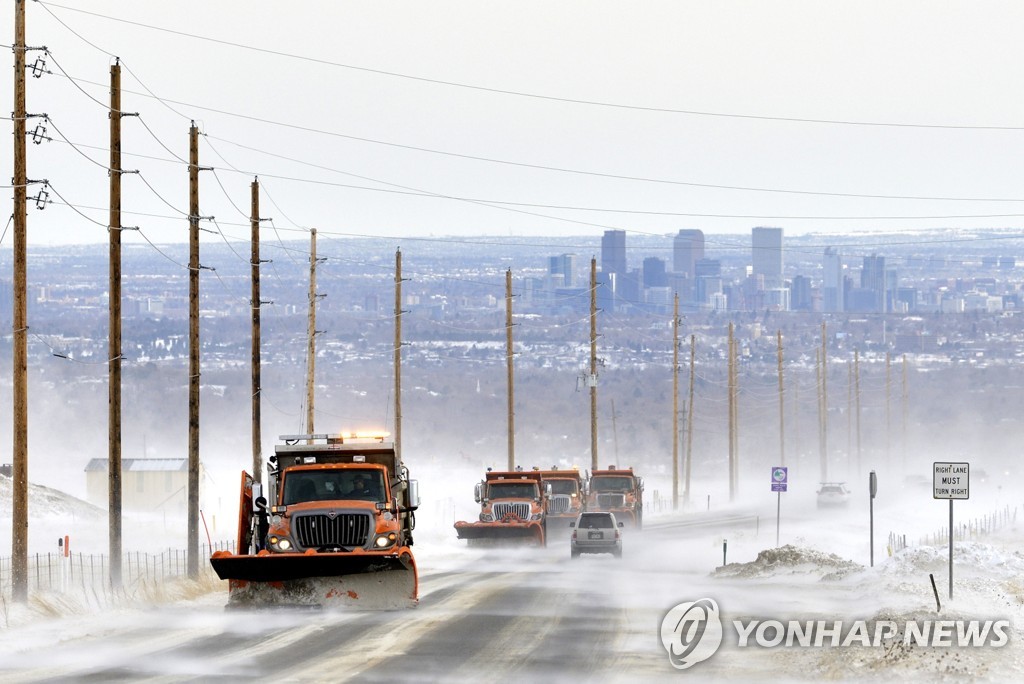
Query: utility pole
(888, 413)
(689, 425)
(732, 416)
(193, 353)
(615, 433)
(782, 404)
(824, 404)
(904, 406)
(849, 415)
(311, 338)
(114, 353)
(856, 392)
(675, 403)
(19, 473)
(254, 308)
(398, 353)
(509, 368)
(593, 363)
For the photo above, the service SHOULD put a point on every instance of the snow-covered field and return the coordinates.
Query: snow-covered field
(820, 572)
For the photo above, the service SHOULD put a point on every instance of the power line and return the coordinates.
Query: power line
(523, 94)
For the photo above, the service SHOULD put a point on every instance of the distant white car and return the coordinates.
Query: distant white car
(596, 532)
(832, 494)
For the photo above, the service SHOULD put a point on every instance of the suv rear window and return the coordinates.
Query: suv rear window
(595, 520)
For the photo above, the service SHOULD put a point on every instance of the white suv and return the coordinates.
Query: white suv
(596, 532)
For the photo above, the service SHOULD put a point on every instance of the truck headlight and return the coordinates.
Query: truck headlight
(385, 540)
(486, 517)
(279, 543)
(536, 516)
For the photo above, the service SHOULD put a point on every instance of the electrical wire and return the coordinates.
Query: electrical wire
(523, 94)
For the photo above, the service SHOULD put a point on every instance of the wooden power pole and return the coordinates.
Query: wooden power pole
(19, 473)
(114, 353)
(254, 308)
(824, 405)
(689, 425)
(782, 405)
(509, 372)
(311, 338)
(592, 380)
(193, 354)
(732, 414)
(856, 394)
(904, 407)
(398, 352)
(675, 403)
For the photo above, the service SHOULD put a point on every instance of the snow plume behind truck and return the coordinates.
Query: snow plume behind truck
(333, 527)
(566, 500)
(619, 491)
(512, 510)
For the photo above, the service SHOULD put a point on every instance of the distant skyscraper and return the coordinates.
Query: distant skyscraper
(687, 250)
(564, 265)
(767, 255)
(872, 278)
(654, 273)
(613, 252)
(832, 292)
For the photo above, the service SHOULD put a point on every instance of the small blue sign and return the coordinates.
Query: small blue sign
(778, 486)
(780, 474)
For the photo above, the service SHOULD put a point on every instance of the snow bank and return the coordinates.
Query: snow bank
(791, 560)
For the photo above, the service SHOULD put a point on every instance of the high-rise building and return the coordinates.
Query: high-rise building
(562, 270)
(833, 294)
(873, 279)
(613, 252)
(687, 250)
(766, 259)
(654, 273)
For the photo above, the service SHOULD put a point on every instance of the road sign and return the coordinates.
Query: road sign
(951, 480)
(780, 478)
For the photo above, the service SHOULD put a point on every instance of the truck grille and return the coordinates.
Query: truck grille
(344, 529)
(522, 510)
(607, 501)
(559, 503)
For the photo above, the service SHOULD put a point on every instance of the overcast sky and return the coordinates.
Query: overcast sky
(529, 118)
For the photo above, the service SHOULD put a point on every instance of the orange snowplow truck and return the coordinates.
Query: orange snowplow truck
(512, 507)
(566, 500)
(618, 491)
(334, 526)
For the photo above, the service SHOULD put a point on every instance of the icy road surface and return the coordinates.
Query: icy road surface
(535, 614)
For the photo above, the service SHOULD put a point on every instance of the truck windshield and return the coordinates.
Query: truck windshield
(563, 486)
(611, 484)
(332, 485)
(512, 490)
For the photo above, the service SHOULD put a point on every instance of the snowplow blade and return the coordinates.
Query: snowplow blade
(362, 580)
(502, 533)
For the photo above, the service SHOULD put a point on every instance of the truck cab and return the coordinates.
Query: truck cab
(566, 499)
(619, 491)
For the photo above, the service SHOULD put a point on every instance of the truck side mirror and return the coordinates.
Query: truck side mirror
(414, 494)
(478, 492)
(547, 489)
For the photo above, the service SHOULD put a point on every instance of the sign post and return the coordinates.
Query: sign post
(872, 490)
(780, 478)
(951, 481)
